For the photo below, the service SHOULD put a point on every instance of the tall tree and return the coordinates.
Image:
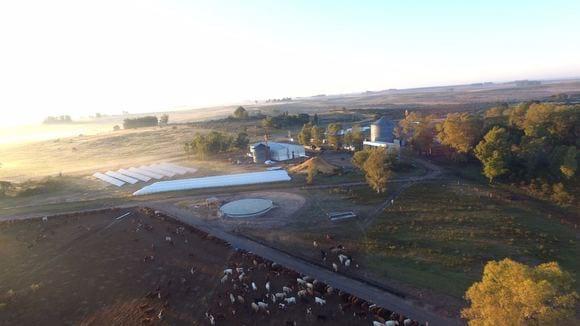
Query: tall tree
(360, 157)
(333, 135)
(376, 173)
(357, 137)
(417, 130)
(317, 134)
(164, 119)
(511, 293)
(494, 153)
(242, 140)
(460, 131)
(305, 134)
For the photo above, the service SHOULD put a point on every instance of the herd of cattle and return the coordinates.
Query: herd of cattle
(254, 285)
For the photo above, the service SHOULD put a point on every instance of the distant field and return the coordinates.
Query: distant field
(83, 155)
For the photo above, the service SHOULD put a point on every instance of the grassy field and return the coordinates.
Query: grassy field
(440, 235)
(436, 236)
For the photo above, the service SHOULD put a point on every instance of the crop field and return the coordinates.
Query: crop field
(95, 269)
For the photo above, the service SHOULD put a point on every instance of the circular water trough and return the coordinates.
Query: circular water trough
(250, 207)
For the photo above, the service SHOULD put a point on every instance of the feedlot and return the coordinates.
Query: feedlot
(94, 269)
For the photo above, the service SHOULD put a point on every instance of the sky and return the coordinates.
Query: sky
(82, 57)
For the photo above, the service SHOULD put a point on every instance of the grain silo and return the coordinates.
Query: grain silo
(382, 130)
(260, 152)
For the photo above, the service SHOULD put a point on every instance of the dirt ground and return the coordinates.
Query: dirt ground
(95, 269)
(286, 204)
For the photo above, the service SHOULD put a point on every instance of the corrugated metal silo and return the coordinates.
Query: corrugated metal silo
(259, 152)
(382, 130)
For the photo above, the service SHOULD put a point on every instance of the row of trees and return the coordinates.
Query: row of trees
(141, 122)
(58, 119)
(286, 120)
(148, 121)
(203, 145)
(530, 143)
(312, 134)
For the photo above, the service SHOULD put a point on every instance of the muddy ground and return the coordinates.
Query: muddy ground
(95, 269)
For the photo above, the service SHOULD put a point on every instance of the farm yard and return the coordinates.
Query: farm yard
(129, 267)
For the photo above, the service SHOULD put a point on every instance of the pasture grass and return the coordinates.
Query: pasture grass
(440, 235)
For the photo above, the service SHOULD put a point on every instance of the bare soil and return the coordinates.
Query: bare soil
(95, 269)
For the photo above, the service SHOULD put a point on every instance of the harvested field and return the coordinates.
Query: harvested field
(95, 269)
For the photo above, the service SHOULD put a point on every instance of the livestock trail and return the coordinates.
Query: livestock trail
(360, 289)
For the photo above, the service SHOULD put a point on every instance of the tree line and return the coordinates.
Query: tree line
(214, 142)
(533, 144)
(58, 119)
(335, 136)
(147, 121)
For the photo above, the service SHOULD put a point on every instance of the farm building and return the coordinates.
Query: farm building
(382, 135)
(263, 151)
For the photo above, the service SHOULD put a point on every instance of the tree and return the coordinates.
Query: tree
(569, 164)
(241, 113)
(360, 157)
(5, 187)
(317, 135)
(141, 122)
(164, 120)
(305, 134)
(311, 172)
(517, 115)
(212, 143)
(560, 196)
(417, 130)
(333, 135)
(460, 131)
(356, 137)
(315, 121)
(241, 141)
(376, 173)
(511, 293)
(494, 152)
(267, 124)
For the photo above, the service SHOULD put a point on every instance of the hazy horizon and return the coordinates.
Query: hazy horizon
(68, 57)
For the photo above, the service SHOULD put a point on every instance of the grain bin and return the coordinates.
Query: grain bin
(259, 152)
(382, 130)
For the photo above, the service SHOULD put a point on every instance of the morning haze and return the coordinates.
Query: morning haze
(289, 163)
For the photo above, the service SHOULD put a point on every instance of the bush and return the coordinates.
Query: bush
(560, 196)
